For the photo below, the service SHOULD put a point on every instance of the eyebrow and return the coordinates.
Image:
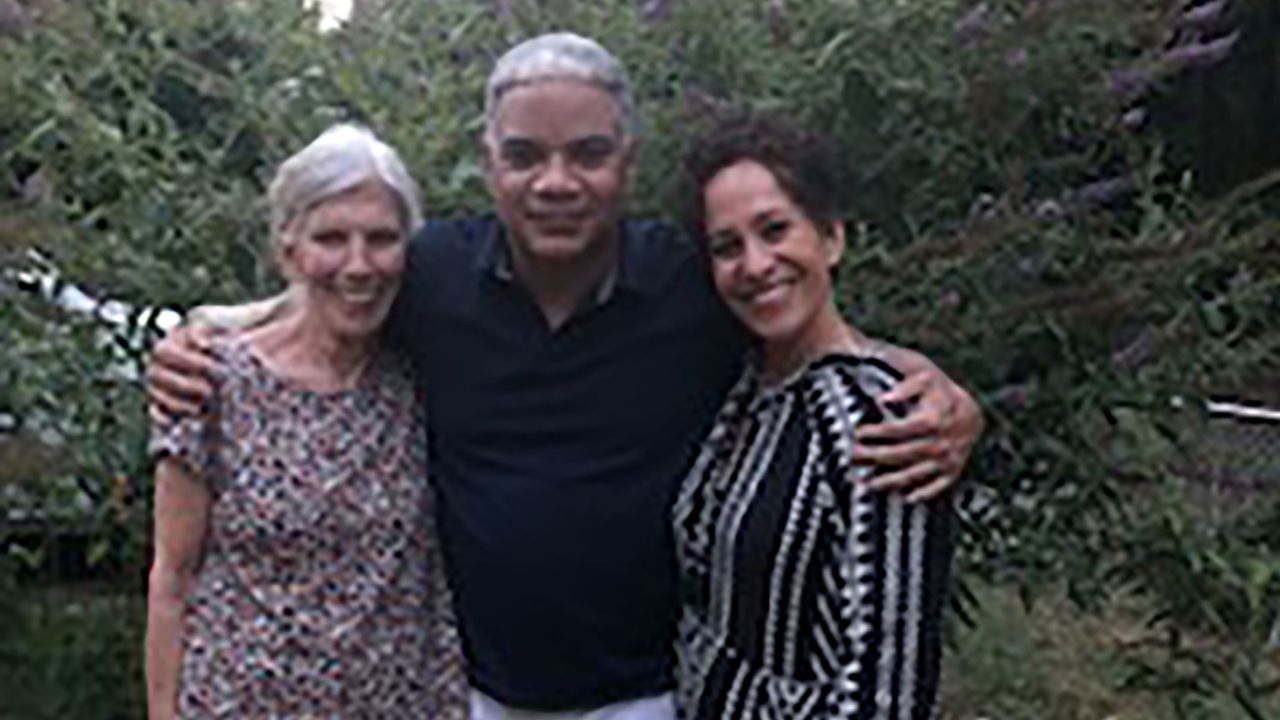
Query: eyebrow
(593, 139)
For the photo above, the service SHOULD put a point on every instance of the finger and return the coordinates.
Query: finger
(956, 458)
(900, 454)
(164, 386)
(919, 424)
(905, 479)
(940, 484)
(202, 336)
(157, 415)
(184, 353)
(165, 409)
(910, 388)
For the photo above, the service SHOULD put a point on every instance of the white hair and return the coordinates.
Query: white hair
(560, 56)
(342, 158)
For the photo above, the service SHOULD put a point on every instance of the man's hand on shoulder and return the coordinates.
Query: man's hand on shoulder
(180, 374)
(929, 447)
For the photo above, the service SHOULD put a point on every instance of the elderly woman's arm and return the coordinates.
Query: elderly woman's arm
(181, 516)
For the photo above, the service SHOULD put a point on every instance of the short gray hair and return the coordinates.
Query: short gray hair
(341, 159)
(560, 56)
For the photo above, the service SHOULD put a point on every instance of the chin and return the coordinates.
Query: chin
(769, 330)
(359, 329)
(559, 248)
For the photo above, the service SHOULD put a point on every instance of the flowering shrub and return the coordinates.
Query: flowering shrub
(1029, 208)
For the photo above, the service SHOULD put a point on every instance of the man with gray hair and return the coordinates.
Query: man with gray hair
(571, 361)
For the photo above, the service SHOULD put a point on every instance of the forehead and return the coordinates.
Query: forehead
(370, 201)
(743, 192)
(557, 111)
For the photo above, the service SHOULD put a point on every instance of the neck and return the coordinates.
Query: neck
(558, 288)
(303, 350)
(826, 333)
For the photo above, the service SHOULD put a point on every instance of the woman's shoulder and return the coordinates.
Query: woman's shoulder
(846, 381)
(233, 357)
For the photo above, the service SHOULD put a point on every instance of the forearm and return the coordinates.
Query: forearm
(165, 608)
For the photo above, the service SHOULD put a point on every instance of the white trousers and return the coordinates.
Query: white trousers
(658, 707)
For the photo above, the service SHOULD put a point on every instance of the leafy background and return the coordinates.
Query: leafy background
(1069, 205)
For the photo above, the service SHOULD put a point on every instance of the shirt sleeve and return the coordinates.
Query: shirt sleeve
(192, 441)
(893, 565)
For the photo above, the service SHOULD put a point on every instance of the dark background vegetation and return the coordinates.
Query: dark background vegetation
(1071, 205)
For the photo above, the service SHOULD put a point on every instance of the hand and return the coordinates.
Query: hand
(929, 447)
(180, 374)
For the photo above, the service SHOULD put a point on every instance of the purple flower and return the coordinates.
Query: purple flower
(657, 9)
(1204, 15)
(973, 26)
(1201, 54)
(1130, 82)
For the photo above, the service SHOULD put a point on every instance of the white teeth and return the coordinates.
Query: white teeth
(769, 294)
(361, 296)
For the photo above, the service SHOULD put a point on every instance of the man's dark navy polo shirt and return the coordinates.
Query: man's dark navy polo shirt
(556, 454)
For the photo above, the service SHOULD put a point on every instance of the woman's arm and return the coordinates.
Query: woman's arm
(181, 516)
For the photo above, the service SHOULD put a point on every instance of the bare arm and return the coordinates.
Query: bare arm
(181, 517)
(930, 446)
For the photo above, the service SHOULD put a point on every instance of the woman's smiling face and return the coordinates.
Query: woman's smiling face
(770, 261)
(348, 255)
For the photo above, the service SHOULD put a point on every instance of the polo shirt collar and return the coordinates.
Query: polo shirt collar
(494, 260)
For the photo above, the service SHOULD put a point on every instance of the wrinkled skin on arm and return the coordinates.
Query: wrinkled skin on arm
(181, 517)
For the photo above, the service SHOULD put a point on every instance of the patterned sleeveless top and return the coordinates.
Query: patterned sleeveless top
(321, 593)
(806, 595)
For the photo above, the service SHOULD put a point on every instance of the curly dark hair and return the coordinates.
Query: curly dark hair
(805, 165)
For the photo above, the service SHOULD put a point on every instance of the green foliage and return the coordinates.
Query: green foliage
(72, 655)
(136, 138)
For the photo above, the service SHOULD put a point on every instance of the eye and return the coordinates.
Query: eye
(724, 247)
(521, 155)
(591, 153)
(774, 230)
(384, 238)
(329, 238)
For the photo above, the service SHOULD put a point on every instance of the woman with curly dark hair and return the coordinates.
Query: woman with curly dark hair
(807, 591)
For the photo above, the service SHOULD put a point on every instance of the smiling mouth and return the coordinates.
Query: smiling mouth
(362, 296)
(767, 295)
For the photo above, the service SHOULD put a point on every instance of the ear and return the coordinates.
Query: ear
(283, 250)
(630, 151)
(834, 244)
(486, 146)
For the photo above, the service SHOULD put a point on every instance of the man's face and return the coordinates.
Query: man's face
(558, 165)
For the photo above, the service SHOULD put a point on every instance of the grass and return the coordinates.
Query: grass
(1055, 662)
(71, 653)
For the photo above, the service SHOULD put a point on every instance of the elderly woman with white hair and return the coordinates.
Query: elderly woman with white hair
(297, 571)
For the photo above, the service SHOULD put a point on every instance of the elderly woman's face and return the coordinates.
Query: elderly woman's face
(348, 255)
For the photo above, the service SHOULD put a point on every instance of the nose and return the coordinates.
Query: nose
(358, 263)
(757, 261)
(556, 178)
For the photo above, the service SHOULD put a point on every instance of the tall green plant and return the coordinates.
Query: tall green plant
(1008, 218)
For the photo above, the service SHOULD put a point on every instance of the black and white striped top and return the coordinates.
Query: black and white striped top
(804, 594)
